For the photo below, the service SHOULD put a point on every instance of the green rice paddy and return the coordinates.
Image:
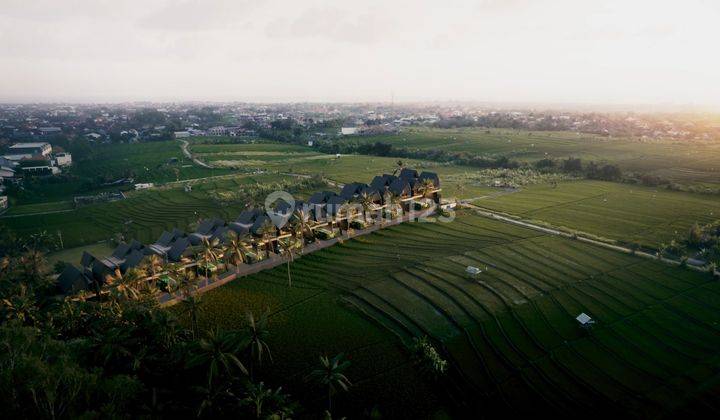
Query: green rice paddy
(611, 210)
(509, 333)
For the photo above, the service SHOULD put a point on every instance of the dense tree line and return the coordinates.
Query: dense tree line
(118, 355)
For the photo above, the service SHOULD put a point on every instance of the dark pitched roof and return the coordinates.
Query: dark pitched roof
(135, 244)
(248, 216)
(132, 260)
(431, 176)
(178, 248)
(400, 187)
(381, 181)
(349, 190)
(87, 259)
(320, 197)
(72, 280)
(259, 222)
(239, 228)
(121, 250)
(165, 239)
(335, 203)
(408, 173)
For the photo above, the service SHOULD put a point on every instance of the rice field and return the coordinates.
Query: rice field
(143, 215)
(696, 162)
(509, 332)
(623, 212)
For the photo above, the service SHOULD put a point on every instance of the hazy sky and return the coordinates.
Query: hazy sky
(581, 51)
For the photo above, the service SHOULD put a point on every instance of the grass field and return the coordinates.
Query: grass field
(615, 211)
(145, 214)
(156, 162)
(695, 163)
(510, 333)
(305, 160)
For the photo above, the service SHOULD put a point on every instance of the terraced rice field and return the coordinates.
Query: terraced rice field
(615, 211)
(509, 333)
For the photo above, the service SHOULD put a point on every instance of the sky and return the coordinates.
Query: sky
(545, 51)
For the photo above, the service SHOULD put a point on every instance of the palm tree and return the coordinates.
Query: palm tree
(330, 374)
(287, 246)
(124, 286)
(274, 402)
(190, 304)
(20, 306)
(399, 167)
(366, 202)
(209, 253)
(299, 224)
(237, 253)
(426, 187)
(267, 231)
(217, 352)
(257, 332)
(152, 266)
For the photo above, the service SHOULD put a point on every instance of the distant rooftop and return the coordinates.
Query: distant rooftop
(24, 145)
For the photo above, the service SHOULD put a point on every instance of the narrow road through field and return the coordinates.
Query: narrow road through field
(692, 262)
(184, 146)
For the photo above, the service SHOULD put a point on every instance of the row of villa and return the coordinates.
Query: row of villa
(324, 215)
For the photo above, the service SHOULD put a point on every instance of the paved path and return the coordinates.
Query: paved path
(184, 146)
(207, 284)
(692, 263)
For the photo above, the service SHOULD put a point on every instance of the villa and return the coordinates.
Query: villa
(325, 213)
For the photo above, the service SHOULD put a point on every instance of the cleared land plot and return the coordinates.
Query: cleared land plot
(510, 332)
(615, 211)
(306, 160)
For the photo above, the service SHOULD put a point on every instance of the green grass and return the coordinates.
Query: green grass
(615, 211)
(691, 162)
(348, 168)
(147, 162)
(145, 213)
(510, 333)
(156, 162)
(72, 255)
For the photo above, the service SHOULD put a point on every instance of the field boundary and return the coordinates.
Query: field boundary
(692, 263)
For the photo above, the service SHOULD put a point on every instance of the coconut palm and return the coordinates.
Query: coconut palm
(257, 331)
(190, 304)
(287, 248)
(426, 187)
(124, 286)
(299, 224)
(236, 251)
(364, 199)
(331, 375)
(20, 306)
(209, 253)
(218, 353)
(399, 167)
(273, 402)
(152, 266)
(267, 232)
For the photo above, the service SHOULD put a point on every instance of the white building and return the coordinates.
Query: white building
(20, 151)
(63, 159)
(348, 131)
